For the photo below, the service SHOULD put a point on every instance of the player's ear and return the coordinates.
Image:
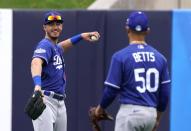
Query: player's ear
(148, 30)
(127, 29)
(44, 28)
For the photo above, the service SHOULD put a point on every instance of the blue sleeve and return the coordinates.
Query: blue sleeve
(114, 77)
(164, 90)
(109, 95)
(164, 94)
(165, 77)
(43, 51)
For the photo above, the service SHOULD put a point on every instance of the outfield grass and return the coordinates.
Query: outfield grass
(46, 4)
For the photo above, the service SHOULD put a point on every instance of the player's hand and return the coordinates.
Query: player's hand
(97, 114)
(101, 114)
(99, 111)
(38, 88)
(91, 36)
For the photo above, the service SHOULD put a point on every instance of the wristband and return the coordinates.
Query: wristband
(37, 80)
(75, 39)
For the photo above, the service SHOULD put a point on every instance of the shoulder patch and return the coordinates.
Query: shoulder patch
(40, 50)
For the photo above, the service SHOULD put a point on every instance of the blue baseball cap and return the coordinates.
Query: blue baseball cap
(137, 21)
(52, 16)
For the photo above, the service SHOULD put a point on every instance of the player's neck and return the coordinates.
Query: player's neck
(136, 39)
(51, 39)
(137, 42)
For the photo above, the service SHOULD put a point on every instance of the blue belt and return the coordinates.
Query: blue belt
(54, 95)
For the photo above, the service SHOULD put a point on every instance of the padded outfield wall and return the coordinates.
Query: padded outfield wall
(86, 64)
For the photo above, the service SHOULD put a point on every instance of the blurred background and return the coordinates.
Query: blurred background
(87, 64)
(46, 4)
(96, 4)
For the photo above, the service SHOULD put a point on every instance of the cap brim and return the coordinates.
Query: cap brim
(48, 22)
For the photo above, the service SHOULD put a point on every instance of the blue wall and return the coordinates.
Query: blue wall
(181, 71)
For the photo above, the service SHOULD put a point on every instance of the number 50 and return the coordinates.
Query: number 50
(146, 81)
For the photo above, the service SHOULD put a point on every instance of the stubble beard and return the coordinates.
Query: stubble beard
(52, 37)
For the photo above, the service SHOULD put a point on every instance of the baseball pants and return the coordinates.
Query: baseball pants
(135, 118)
(53, 118)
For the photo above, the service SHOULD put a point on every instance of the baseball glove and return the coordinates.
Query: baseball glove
(35, 105)
(95, 119)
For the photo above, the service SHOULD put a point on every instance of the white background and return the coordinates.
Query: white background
(5, 69)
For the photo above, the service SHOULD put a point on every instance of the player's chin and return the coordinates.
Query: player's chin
(55, 35)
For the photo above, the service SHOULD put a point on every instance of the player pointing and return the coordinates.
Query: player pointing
(47, 68)
(139, 74)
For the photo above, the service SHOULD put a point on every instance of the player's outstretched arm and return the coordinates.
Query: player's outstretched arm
(88, 36)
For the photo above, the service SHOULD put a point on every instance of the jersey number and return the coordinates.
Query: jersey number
(146, 81)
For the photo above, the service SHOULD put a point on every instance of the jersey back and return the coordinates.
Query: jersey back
(138, 71)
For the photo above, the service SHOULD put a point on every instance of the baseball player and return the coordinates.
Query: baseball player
(48, 73)
(139, 74)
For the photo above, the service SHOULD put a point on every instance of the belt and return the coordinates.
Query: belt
(54, 95)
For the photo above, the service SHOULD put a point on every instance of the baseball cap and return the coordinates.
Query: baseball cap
(137, 21)
(52, 16)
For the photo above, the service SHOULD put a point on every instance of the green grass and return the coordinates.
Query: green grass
(46, 4)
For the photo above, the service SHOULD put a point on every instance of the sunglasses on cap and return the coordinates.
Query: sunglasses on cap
(54, 17)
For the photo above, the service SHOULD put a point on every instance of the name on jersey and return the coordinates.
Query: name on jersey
(144, 56)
